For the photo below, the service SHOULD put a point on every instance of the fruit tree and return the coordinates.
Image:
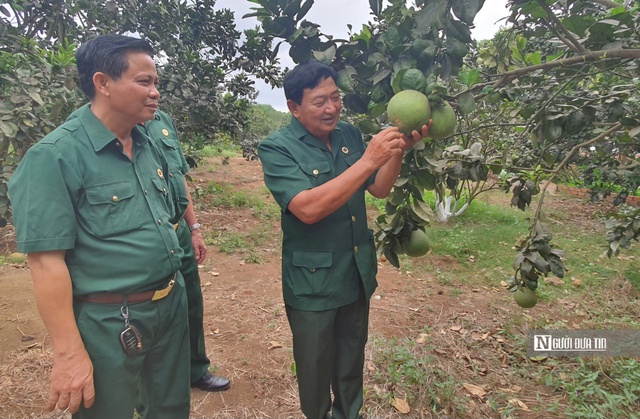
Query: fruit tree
(558, 87)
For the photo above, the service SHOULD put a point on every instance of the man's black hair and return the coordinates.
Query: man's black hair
(106, 54)
(306, 75)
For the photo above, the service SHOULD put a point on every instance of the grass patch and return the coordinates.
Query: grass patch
(221, 194)
(229, 150)
(595, 388)
(405, 370)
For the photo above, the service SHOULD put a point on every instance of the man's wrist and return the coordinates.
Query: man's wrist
(193, 227)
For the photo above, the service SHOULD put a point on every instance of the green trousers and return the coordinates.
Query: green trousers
(328, 348)
(157, 377)
(199, 360)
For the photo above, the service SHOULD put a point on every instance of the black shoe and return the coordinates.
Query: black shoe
(210, 382)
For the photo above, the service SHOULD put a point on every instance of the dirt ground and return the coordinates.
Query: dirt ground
(247, 335)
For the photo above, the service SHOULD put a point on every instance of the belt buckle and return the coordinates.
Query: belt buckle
(160, 294)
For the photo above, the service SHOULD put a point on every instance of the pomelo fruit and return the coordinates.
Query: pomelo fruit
(416, 244)
(409, 110)
(443, 121)
(525, 297)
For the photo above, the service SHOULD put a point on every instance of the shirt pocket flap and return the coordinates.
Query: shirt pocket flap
(109, 193)
(170, 141)
(312, 260)
(351, 158)
(315, 168)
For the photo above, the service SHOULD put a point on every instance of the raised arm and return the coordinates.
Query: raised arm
(312, 205)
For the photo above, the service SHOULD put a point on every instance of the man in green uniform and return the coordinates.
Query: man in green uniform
(93, 209)
(318, 169)
(162, 130)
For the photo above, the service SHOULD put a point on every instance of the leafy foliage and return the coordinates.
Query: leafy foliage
(37, 91)
(204, 68)
(558, 87)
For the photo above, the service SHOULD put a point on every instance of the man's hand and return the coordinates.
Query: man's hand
(199, 246)
(410, 141)
(384, 145)
(71, 381)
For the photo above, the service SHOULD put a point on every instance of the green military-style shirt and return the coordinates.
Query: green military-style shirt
(163, 132)
(76, 190)
(324, 263)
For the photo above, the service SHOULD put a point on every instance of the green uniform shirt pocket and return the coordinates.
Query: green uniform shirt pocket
(111, 208)
(311, 278)
(318, 172)
(352, 158)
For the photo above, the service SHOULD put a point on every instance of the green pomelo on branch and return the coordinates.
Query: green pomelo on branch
(525, 297)
(443, 121)
(416, 244)
(409, 110)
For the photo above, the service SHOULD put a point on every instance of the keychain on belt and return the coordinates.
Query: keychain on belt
(130, 337)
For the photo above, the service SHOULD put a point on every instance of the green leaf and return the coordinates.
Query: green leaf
(392, 257)
(368, 126)
(8, 128)
(413, 79)
(36, 96)
(466, 10)
(432, 17)
(534, 58)
(376, 6)
(326, 56)
(459, 31)
(305, 9)
(356, 103)
(469, 77)
(466, 104)
(380, 75)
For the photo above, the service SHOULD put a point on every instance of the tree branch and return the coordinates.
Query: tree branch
(568, 158)
(587, 57)
(557, 24)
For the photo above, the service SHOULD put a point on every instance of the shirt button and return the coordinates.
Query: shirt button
(164, 191)
(115, 198)
(173, 252)
(313, 270)
(353, 218)
(315, 172)
(170, 175)
(146, 192)
(159, 222)
(355, 249)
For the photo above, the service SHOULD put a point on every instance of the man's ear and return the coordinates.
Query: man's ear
(293, 108)
(101, 83)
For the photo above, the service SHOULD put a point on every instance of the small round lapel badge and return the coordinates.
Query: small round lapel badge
(165, 132)
(345, 150)
(160, 174)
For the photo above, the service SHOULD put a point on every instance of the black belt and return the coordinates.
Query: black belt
(140, 297)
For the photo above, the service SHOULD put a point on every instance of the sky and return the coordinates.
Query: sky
(333, 17)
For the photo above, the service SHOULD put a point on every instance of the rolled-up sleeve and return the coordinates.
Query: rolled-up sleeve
(43, 210)
(282, 174)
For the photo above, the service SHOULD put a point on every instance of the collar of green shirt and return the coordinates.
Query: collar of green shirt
(98, 134)
(301, 133)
